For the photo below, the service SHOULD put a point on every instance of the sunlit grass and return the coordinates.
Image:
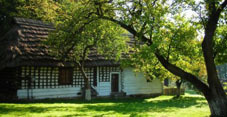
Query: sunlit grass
(163, 106)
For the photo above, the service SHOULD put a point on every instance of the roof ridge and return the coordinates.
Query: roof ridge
(27, 21)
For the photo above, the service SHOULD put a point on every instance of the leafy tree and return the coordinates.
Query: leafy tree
(75, 38)
(147, 19)
(175, 39)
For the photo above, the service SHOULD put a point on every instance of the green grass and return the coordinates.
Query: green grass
(163, 106)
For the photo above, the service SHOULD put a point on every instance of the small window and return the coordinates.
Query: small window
(65, 76)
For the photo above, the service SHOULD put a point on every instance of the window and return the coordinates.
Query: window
(65, 76)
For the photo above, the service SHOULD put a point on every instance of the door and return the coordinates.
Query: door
(115, 82)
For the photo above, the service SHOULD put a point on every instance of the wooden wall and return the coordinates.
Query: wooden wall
(45, 83)
(47, 77)
(135, 83)
(48, 93)
(104, 84)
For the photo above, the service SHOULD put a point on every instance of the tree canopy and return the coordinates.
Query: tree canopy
(46, 10)
(79, 33)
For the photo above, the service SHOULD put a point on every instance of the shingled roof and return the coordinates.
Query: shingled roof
(22, 46)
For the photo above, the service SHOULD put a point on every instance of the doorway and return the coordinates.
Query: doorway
(115, 82)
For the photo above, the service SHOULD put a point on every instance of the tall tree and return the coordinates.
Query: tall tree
(146, 20)
(178, 48)
(79, 33)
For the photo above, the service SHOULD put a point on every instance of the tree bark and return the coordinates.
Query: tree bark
(201, 86)
(216, 97)
(217, 104)
(87, 90)
(178, 84)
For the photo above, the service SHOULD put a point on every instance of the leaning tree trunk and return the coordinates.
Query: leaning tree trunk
(216, 96)
(87, 92)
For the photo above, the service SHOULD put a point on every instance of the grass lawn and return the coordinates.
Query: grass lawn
(162, 106)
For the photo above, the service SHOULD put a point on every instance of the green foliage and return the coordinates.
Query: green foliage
(78, 31)
(162, 26)
(46, 10)
(220, 51)
(177, 41)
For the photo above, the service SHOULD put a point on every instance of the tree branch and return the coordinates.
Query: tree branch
(72, 38)
(172, 68)
(127, 27)
(183, 74)
(154, 2)
(222, 6)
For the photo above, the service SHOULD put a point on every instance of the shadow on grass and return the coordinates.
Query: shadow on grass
(122, 106)
(152, 106)
(76, 101)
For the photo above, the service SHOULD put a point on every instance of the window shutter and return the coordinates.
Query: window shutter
(65, 76)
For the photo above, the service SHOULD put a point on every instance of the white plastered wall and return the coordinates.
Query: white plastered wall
(136, 83)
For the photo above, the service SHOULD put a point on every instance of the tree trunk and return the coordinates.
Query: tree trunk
(214, 94)
(216, 97)
(178, 84)
(217, 104)
(87, 90)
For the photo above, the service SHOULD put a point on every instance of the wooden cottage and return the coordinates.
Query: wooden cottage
(27, 71)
